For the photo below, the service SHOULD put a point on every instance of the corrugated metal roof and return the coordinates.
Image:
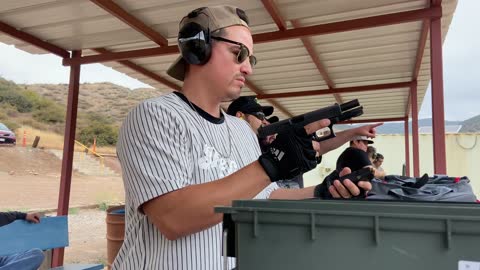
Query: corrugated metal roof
(371, 56)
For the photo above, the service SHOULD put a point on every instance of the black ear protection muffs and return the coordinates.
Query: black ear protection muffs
(194, 40)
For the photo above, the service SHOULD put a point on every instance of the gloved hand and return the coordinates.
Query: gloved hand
(289, 155)
(365, 174)
(321, 190)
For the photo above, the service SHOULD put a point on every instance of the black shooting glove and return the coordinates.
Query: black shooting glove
(321, 190)
(364, 174)
(289, 155)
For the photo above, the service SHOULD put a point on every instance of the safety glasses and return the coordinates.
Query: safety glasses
(259, 115)
(243, 54)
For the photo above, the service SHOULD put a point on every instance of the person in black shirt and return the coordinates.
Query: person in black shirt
(356, 157)
(9, 217)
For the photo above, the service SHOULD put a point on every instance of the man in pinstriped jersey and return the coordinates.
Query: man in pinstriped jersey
(191, 156)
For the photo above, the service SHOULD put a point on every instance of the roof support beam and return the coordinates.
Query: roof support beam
(116, 56)
(365, 88)
(407, 147)
(416, 156)
(356, 24)
(143, 71)
(275, 14)
(278, 19)
(382, 20)
(68, 149)
(418, 60)
(438, 114)
(273, 102)
(39, 43)
(117, 11)
(318, 63)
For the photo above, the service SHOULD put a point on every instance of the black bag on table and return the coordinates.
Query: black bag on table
(437, 188)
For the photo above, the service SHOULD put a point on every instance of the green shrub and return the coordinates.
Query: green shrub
(16, 99)
(51, 115)
(73, 211)
(6, 109)
(103, 206)
(98, 127)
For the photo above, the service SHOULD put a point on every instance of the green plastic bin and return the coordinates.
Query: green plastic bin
(346, 235)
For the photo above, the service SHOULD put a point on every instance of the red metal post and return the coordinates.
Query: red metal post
(68, 145)
(414, 102)
(438, 122)
(407, 148)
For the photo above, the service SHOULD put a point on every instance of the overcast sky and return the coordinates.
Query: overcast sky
(460, 51)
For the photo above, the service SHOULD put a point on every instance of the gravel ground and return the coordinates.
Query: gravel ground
(30, 181)
(87, 232)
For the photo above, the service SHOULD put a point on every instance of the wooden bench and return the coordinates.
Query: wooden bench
(50, 233)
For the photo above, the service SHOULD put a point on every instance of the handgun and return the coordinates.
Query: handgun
(336, 113)
(364, 174)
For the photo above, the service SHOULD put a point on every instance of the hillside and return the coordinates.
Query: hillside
(471, 124)
(101, 110)
(107, 99)
(109, 103)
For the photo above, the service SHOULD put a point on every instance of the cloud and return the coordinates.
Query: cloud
(460, 67)
(22, 67)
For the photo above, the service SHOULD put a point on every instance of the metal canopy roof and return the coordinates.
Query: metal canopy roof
(311, 53)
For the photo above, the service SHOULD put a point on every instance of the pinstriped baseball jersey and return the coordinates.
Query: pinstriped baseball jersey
(165, 144)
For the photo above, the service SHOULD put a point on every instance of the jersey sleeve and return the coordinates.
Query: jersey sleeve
(153, 149)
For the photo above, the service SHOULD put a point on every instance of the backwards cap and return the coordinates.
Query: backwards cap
(213, 18)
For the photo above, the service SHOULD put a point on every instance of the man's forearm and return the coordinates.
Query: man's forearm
(191, 209)
(292, 194)
(341, 138)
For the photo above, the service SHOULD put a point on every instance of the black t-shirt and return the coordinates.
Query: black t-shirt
(353, 158)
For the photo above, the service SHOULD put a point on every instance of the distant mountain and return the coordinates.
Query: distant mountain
(469, 125)
(107, 99)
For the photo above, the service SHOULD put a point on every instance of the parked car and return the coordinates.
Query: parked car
(6, 135)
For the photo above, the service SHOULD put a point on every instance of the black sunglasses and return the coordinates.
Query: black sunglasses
(259, 115)
(244, 52)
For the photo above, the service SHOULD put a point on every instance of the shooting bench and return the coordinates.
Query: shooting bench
(50, 233)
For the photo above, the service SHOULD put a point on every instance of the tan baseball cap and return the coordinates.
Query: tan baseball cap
(217, 17)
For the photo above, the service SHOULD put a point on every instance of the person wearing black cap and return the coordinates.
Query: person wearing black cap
(248, 109)
(181, 155)
(356, 156)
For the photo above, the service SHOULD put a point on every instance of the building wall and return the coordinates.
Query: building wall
(463, 157)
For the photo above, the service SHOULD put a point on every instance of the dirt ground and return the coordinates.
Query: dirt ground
(30, 181)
